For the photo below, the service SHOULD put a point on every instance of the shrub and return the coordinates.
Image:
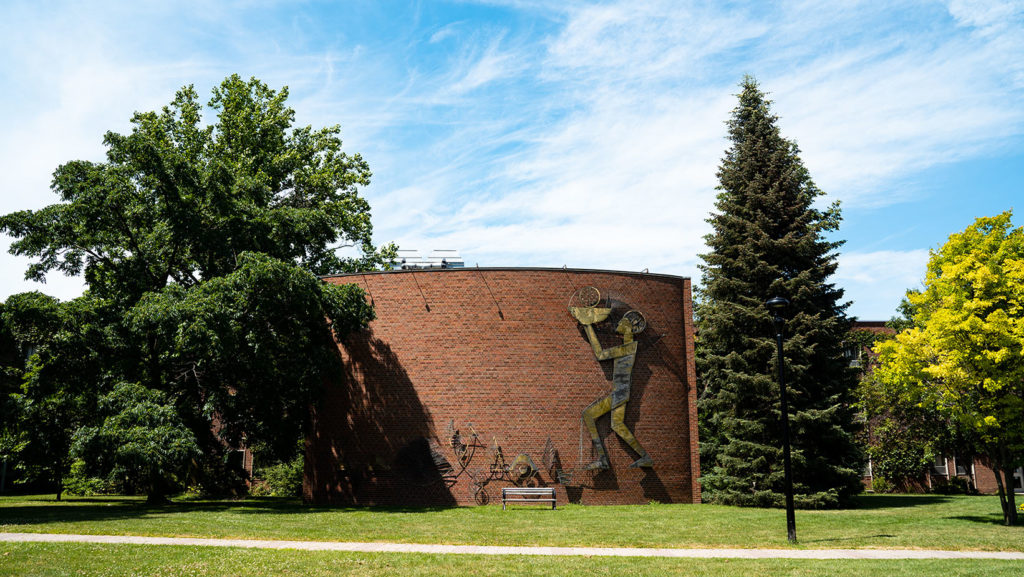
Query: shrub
(279, 480)
(954, 486)
(881, 485)
(78, 482)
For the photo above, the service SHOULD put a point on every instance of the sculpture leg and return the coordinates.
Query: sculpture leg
(620, 428)
(590, 415)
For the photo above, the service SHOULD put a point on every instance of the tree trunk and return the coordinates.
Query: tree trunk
(1002, 492)
(1010, 514)
(156, 498)
(155, 494)
(1004, 468)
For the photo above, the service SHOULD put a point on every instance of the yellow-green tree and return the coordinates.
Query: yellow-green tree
(965, 353)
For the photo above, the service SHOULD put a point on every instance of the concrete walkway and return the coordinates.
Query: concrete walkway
(500, 550)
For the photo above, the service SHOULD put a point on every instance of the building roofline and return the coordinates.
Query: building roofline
(869, 324)
(507, 268)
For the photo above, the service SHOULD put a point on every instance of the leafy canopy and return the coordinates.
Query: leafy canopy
(964, 354)
(252, 346)
(57, 368)
(177, 201)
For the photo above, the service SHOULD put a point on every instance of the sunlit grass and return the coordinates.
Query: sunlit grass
(52, 559)
(925, 521)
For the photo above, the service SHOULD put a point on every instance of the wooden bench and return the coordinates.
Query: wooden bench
(527, 495)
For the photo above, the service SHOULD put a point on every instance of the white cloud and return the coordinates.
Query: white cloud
(877, 281)
(492, 65)
(592, 143)
(624, 177)
(637, 42)
(985, 14)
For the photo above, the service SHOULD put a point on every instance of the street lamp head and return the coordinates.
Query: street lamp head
(777, 305)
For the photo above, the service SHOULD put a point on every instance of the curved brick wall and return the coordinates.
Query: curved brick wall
(495, 352)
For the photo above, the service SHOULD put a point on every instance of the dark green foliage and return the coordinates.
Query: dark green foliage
(142, 439)
(901, 436)
(80, 482)
(899, 454)
(251, 346)
(769, 240)
(200, 245)
(177, 201)
(954, 486)
(60, 379)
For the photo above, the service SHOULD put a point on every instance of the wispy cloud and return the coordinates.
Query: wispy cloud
(622, 175)
(492, 65)
(878, 280)
(538, 133)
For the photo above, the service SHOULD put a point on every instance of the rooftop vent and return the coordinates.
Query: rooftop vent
(442, 258)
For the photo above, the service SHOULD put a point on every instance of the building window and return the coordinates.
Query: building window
(963, 465)
(939, 466)
(851, 352)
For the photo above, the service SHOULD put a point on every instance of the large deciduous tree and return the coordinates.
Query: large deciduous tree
(177, 201)
(769, 239)
(964, 356)
(200, 244)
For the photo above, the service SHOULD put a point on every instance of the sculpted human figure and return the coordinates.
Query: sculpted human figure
(623, 357)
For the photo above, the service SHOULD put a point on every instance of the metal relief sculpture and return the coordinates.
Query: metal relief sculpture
(583, 307)
(521, 472)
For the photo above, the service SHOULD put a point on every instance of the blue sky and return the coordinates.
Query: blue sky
(587, 134)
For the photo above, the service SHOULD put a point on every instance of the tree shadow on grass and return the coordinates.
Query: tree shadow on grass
(994, 519)
(857, 538)
(112, 509)
(893, 501)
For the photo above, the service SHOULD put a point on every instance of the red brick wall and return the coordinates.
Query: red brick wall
(498, 349)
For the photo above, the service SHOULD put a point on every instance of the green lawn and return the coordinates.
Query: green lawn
(924, 521)
(48, 559)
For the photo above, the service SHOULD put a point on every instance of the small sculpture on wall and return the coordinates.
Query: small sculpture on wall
(553, 464)
(463, 451)
(520, 472)
(583, 307)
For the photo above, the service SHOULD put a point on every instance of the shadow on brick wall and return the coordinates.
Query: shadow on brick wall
(375, 448)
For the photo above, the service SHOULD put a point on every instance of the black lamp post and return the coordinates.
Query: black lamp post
(777, 305)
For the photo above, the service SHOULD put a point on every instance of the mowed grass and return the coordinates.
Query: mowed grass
(879, 521)
(51, 559)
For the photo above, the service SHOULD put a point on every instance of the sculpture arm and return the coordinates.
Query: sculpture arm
(603, 354)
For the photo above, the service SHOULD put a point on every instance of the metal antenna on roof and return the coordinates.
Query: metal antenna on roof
(568, 277)
(368, 291)
(424, 297)
(496, 303)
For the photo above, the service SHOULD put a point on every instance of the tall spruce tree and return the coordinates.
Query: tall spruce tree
(769, 240)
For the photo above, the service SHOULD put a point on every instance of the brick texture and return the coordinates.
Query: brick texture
(495, 352)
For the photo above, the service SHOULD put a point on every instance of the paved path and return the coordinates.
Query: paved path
(500, 550)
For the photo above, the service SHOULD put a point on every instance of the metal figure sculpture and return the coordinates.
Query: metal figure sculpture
(463, 451)
(424, 464)
(583, 307)
(553, 464)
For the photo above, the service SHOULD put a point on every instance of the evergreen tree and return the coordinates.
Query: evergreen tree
(769, 240)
